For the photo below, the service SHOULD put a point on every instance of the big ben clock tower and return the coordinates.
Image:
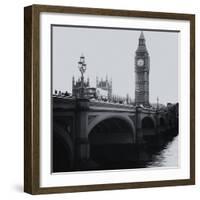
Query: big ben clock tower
(142, 67)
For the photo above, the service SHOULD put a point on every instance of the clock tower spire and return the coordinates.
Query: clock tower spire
(142, 67)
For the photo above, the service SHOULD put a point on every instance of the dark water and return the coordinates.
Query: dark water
(157, 152)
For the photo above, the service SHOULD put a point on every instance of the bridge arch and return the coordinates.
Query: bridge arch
(110, 138)
(148, 122)
(120, 118)
(148, 125)
(162, 122)
(63, 150)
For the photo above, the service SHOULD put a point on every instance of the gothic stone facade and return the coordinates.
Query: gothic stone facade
(142, 67)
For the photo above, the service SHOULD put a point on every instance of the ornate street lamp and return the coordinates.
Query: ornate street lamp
(82, 69)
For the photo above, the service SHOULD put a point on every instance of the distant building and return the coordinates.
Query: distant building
(89, 92)
(104, 88)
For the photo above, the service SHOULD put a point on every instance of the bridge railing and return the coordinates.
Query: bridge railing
(110, 104)
(106, 104)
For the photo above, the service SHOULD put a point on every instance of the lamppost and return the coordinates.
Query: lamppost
(82, 69)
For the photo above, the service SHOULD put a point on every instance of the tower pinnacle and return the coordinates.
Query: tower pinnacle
(142, 44)
(142, 36)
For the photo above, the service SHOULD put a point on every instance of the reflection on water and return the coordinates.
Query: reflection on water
(154, 152)
(168, 157)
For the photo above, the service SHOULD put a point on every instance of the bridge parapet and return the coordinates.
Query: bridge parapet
(111, 106)
(63, 103)
(67, 103)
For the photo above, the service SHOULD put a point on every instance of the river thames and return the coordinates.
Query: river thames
(168, 157)
(162, 152)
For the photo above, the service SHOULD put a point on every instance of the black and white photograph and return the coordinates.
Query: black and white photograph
(109, 99)
(114, 98)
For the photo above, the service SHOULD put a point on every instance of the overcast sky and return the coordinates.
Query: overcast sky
(111, 52)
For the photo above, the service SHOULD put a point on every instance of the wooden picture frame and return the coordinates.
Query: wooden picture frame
(32, 106)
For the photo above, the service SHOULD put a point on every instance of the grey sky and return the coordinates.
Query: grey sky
(111, 52)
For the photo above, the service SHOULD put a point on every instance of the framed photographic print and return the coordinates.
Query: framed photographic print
(109, 99)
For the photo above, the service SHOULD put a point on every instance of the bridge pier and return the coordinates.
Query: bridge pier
(138, 124)
(82, 149)
(82, 142)
(139, 138)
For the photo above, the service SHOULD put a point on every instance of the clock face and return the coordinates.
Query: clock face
(140, 62)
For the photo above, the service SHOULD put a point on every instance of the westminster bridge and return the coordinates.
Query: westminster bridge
(80, 123)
